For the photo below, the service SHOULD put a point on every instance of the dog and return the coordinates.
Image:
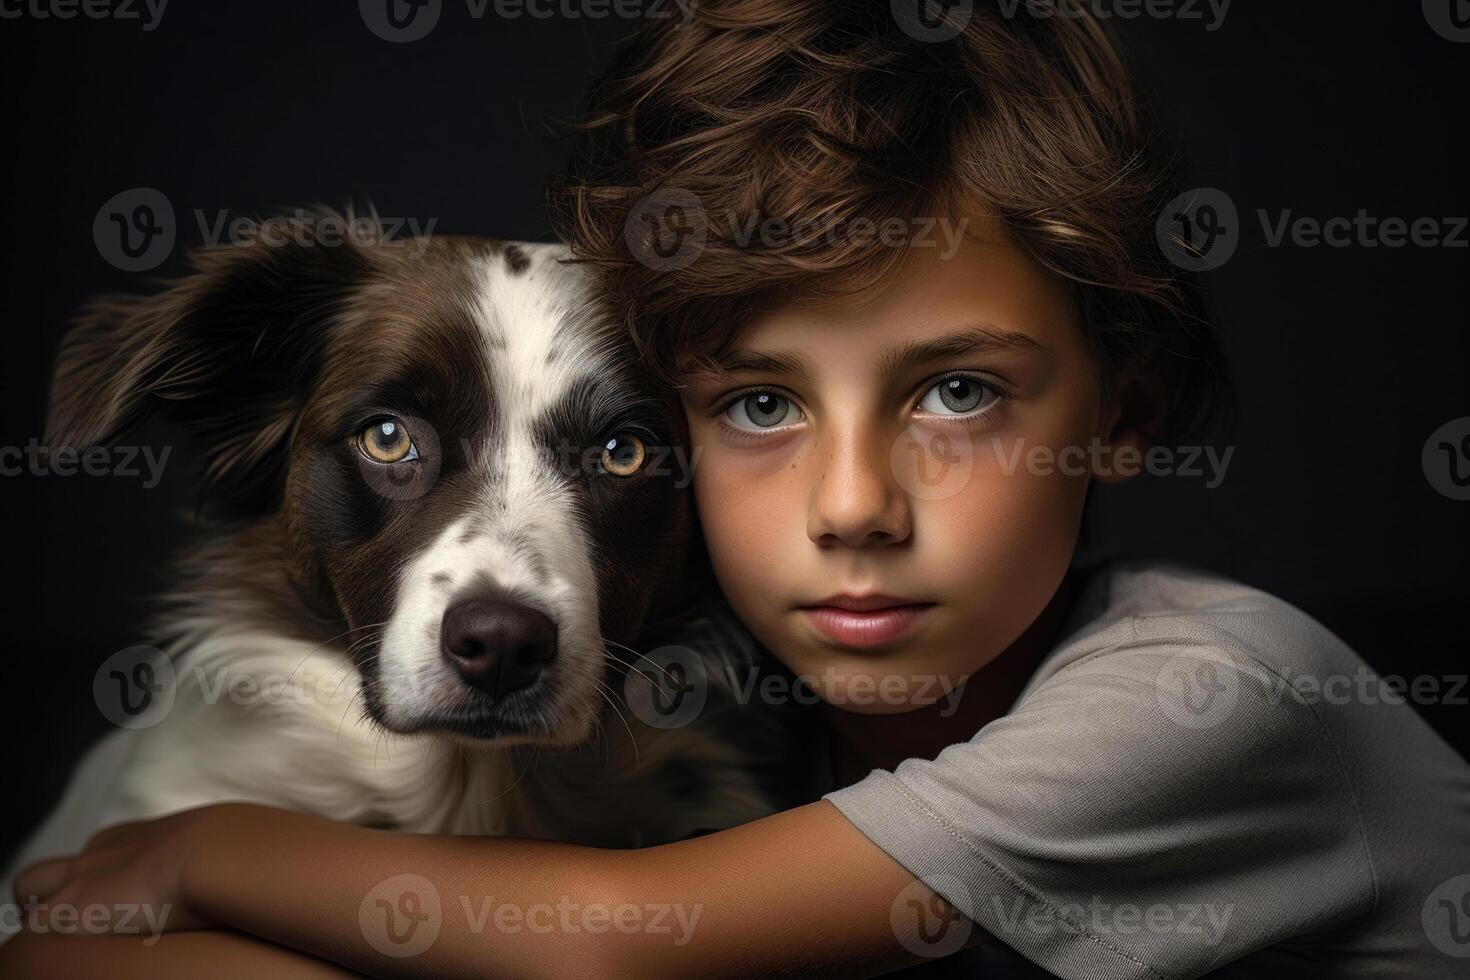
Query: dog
(432, 525)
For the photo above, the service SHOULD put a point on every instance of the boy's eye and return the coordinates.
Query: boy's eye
(762, 410)
(958, 395)
(387, 441)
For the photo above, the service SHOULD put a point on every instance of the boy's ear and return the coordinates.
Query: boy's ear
(1135, 425)
(228, 351)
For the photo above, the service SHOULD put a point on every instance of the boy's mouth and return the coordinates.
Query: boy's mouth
(863, 620)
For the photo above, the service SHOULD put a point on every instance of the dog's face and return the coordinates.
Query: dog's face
(463, 460)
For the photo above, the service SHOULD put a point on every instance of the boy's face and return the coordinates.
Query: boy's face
(887, 455)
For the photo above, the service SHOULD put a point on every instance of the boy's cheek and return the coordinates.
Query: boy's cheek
(1012, 533)
(739, 492)
(995, 553)
(749, 519)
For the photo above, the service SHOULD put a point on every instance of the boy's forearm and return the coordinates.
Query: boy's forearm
(349, 893)
(218, 955)
(801, 891)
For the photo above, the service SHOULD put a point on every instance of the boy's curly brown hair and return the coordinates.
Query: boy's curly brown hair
(817, 114)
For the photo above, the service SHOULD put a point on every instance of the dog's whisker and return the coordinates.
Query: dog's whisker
(620, 646)
(363, 641)
(606, 694)
(429, 757)
(340, 678)
(641, 656)
(600, 734)
(347, 632)
(343, 719)
(382, 741)
(325, 643)
(619, 660)
(519, 776)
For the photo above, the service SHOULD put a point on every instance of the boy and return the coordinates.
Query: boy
(1114, 775)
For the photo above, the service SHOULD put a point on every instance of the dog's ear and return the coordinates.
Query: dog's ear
(228, 351)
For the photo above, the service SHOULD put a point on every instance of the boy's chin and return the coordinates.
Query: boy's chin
(874, 710)
(876, 692)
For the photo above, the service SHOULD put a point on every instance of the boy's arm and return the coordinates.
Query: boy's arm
(802, 891)
(218, 955)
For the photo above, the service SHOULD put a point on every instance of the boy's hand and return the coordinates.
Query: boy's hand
(129, 879)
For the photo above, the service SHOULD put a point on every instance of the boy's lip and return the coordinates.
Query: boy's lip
(866, 602)
(863, 621)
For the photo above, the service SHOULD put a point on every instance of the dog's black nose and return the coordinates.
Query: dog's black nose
(498, 647)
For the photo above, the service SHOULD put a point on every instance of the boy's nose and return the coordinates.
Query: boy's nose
(857, 500)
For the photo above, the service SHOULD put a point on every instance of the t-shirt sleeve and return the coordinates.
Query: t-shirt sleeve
(1157, 809)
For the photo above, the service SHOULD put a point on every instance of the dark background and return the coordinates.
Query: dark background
(1345, 359)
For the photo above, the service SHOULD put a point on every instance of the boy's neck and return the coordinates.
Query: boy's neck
(871, 741)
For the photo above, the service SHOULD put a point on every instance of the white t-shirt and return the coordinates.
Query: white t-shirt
(1199, 778)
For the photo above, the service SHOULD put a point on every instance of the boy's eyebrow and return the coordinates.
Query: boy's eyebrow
(978, 339)
(757, 362)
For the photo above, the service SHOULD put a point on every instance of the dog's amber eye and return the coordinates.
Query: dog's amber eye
(387, 441)
(623, 454)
